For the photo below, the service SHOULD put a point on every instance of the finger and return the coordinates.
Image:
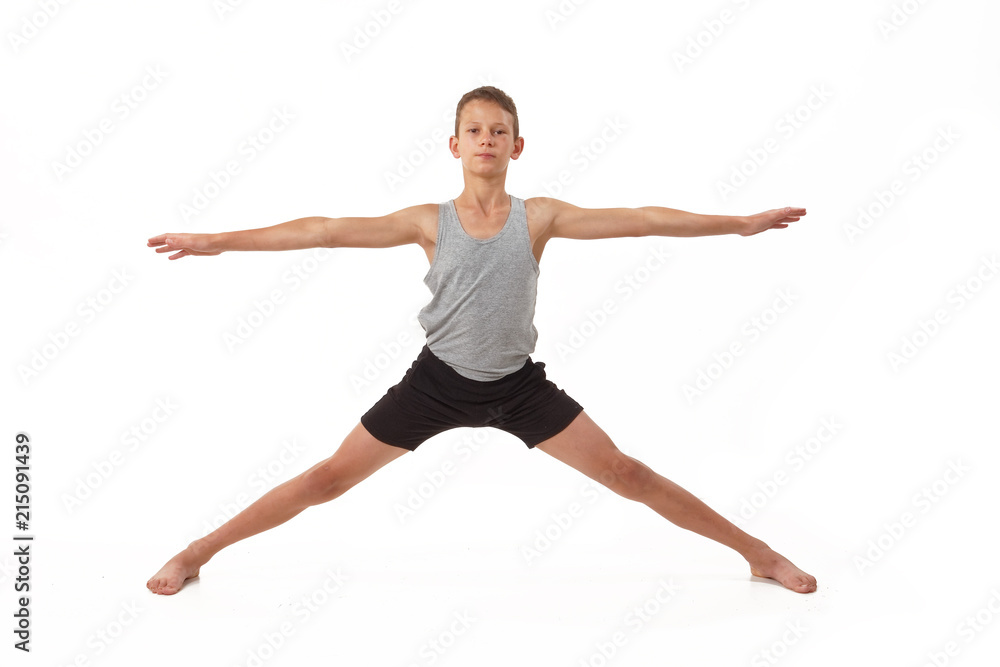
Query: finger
(156, 240)
(166, 248)
(182, 253)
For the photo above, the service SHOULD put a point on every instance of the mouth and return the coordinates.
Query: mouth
(485, 155)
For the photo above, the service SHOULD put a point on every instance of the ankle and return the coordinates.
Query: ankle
(201, 550)
(754, 549)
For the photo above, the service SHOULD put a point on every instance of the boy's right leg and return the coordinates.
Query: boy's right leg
(358, 456)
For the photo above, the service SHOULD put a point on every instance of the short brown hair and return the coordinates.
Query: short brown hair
(490, 94)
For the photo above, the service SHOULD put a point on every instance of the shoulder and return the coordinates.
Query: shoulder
(541, 211)
(419, 214)
(422, 212)
(425, 217)
(543, 205)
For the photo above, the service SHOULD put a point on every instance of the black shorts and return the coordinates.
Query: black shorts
(433, 397)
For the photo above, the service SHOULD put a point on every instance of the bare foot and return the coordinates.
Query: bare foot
(172, 576)
(769, 564)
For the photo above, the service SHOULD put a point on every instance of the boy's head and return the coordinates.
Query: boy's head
(488, 94)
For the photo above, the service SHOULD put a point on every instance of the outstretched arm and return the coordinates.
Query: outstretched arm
(573, 222)
(671, 222)
(314, 232)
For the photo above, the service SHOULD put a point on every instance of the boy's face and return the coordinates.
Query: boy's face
(485, 129)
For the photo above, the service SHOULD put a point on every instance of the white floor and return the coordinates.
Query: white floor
(345, 582)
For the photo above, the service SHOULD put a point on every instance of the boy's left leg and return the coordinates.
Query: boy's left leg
(585, 446)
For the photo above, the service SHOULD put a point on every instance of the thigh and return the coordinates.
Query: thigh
(585, 446)
(359, 455)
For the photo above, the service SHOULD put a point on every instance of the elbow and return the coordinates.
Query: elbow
(643, 224)
(326, 233)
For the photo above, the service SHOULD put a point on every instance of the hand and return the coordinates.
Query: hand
(777, 218)
(187, 244)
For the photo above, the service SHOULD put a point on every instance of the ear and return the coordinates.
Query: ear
(518, 148)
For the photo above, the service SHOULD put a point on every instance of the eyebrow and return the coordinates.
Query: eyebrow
(476, 122)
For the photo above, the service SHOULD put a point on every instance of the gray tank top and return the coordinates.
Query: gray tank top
(480, 320)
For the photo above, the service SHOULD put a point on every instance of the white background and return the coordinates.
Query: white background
(888, 592)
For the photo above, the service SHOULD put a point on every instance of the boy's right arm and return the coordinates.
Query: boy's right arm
(394, 229)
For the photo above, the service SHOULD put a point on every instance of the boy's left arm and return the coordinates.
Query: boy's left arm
(568, 221)
(672, 222)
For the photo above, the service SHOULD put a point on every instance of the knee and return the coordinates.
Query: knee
(322, 482)
(629, 477)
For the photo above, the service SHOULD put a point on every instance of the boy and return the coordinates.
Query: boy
(483, 248)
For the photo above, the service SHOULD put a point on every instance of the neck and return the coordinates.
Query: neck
(486, 195)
